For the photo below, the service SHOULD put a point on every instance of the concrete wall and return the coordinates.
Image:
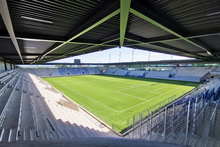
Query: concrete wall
(8, 66)
(2, 66)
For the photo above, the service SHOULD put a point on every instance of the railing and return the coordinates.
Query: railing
(41, 109)
(176, 122)
(4, 111)
(32, 107)
(20, 116)
(33, 114)
(214, 130)
(5, 86)
(153, 110)
(6, 78)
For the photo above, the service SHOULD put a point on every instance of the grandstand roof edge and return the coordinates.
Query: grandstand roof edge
(142, 62)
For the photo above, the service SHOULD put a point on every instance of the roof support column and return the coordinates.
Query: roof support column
(124, 12)
(5, 66)
(8, 24)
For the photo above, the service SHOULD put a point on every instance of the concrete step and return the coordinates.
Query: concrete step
(65, 134)
(4, 135)
(12, 135)
(100, 134)
(32, 135)
(183, 141)
(198, 142)
(192, 143)
(88, 132)
(180, 139)
(169, 138)
(96, 134)
(209, 143)
(203, 142)
(75, 134)
(27, 135)
(71, 135)
(55, 135)
(173, 140)
(216, 143)
(161, 138)
(61, 124)
(189, 140)
(43, 135)
(80, 131)
(1, 133)
(48, 134)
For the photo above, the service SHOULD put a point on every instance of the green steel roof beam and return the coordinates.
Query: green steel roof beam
(124, 12)
(135, 12)
(89, 25)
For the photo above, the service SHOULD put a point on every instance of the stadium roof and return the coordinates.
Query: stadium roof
(161, 62)
(39, 31)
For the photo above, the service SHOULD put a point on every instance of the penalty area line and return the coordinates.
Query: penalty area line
(150, 99)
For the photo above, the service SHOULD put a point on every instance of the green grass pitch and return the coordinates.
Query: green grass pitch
(117, 98)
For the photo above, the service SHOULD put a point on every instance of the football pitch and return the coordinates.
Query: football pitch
(118, 98)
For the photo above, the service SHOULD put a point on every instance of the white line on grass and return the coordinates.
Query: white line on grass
(89, 81)
(84, 96)
(150, 99)
(107, 79)
(130, 95)
(77, 82)
(118, 91)
(132, 87)
(153, 91)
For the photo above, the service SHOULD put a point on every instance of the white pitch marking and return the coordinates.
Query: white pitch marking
(158, 89)
(153, 91)
(132, 87)
(85, 96)
(151, 99)
(118, 91)
(130, 95)
(76, 82)
(107, 79)
(122, 93)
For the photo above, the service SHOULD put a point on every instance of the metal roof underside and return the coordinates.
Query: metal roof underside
(47, 30)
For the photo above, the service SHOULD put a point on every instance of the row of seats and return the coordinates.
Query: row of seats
(136, 72)
(111, 70)
(177, 73)
(93, 70)
(158, 74)
(30, 110)
(192, 71)
(216, 69)
(54, 72)
(192, 122)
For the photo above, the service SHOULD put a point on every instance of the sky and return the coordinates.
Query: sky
(113, 55)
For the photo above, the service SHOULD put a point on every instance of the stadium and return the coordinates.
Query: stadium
(161, 103)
